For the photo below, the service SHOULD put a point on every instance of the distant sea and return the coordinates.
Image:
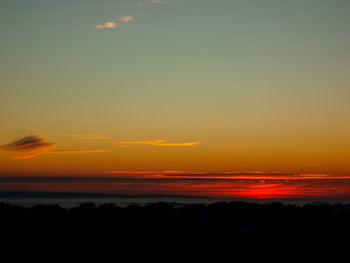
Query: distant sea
(69, 200)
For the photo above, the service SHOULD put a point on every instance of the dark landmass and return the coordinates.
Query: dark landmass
(222, 217)
(164, 232)
(74, 195)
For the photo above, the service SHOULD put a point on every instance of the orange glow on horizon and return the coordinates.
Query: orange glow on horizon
(136, 182)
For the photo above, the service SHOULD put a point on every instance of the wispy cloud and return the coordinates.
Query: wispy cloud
(127, 18)
(34, 145)
(111, 24)
(228, 175)
(179, 144)
(107, 25)
(155, 142)
(146, 172)
(29, 146)
(160, 143)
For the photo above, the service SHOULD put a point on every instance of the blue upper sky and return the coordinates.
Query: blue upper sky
(271, 74)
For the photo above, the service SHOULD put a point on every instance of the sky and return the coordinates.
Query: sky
(135, 89)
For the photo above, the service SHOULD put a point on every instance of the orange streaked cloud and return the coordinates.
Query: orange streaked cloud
(230, 175)
(179, 144)
(33, 146)
(156, 184)
(145, 172)
(29, 146)
(155, 142)
(160, 143)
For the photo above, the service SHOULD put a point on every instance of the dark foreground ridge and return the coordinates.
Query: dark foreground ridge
(201, 232)
(222, 218)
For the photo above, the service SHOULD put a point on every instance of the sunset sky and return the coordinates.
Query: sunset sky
(222, 98)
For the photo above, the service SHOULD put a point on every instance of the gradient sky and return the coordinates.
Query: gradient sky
(236, 86)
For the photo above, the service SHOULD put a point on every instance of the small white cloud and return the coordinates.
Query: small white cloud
(127, 18)
(99, 26)
(108, 24)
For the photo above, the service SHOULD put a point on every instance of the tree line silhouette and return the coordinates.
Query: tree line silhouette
(158, 230)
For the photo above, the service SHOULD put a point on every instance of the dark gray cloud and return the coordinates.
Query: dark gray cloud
(29, 146)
